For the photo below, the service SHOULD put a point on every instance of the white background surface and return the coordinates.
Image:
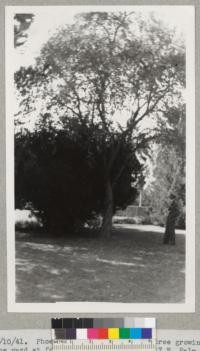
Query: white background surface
(41, 320)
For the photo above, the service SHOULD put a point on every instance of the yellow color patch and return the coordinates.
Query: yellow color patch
(113, 333)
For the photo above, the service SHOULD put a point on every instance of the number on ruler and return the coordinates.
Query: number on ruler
(91, 345)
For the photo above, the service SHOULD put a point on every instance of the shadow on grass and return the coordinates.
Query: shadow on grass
(131, 266)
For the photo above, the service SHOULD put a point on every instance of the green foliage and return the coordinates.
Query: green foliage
(59, 175)
(89, 73)
(169, 170)
(103, 64)
(22, 24)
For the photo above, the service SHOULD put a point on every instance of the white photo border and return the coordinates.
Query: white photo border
(103, 307)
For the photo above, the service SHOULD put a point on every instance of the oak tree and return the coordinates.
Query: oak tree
(119, 72)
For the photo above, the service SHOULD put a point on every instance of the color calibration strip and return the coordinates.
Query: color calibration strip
(102, 333)
(126, 322)
(121, 334)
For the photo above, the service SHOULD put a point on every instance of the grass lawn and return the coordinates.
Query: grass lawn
(132, 266)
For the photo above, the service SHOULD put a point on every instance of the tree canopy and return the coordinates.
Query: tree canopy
(59, 175)
(22, 24)
(169, 169)
(117, 74)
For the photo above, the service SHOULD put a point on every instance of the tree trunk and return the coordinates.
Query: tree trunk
(140, 198)
(169, 236)
(108, 211)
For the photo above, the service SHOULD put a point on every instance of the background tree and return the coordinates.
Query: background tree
(58, 175)
(21, 25)
(169, 169)
(105, 68)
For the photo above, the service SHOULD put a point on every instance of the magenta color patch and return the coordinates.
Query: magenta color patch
(92, 333)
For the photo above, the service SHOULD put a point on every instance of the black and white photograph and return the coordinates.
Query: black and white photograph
(100, 139)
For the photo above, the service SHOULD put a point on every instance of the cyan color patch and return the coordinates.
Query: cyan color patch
(135, 333)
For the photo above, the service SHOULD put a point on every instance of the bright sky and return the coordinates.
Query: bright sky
(48, 18)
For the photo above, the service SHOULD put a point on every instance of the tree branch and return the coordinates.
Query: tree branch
(140, 145)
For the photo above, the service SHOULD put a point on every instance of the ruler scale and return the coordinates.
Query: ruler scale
(125, 345)
(103, 334)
